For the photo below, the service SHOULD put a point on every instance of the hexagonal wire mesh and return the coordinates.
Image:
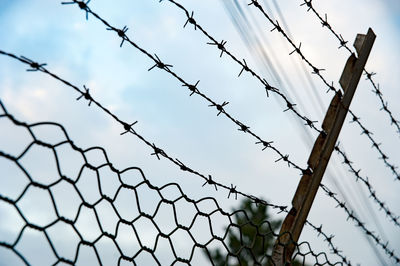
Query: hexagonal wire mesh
(58, 207)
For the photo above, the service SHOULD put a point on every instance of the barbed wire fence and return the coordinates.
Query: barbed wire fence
(158, 152)
(368, 74)
(134, 231)
(308, 122)
(220, 107)
(303, 249)
(317, 71)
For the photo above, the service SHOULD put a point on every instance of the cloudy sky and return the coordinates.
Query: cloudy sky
(85, 53)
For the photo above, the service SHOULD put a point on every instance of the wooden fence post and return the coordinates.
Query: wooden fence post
(321, 152)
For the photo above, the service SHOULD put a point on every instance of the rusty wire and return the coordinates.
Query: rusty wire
(132, 182)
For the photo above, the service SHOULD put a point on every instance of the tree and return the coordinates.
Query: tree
(255, 227)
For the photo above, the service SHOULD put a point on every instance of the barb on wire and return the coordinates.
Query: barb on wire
(82, 5)
(220, 45)
(289, 106)
(160, 64)
(245, 68)
(137, 239)
(193, 88)
(191, 21)
(85, 95)
(232, 190)
(317, 71)
(210, 182)
(343, 43)
(128, 127)
(297, 50)
(220, 107)
(308, 4)
(121, 33)
(265, 144)
(270, 88)
(395, 219)
(208, 179)
(284, 158)
(34, 65)
(369, 233)
(158, 151)
(325, 22)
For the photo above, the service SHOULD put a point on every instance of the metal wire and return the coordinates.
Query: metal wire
(244, 66)
(317, 71)
(368, 74)
(160, 152)
(134, 248)
(191, 20)
(372, 192)
(369, 233)
(193, 88)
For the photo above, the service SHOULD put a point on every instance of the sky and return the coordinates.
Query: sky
(85, 53)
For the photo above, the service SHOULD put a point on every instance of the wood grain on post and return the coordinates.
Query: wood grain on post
(321, 152)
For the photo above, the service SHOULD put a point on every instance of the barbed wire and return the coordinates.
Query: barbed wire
(365, 181)
(193, 88)
(221, 46)
(131, 223)
(355, 119)
(376, 89)
(191, 20)
(160, 152)
(128, 128)
(328, 239)
(244, 67)
(317, 71)
(369, 233)
(375, 145)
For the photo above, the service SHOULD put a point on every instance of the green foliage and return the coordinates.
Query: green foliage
(250, 238)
